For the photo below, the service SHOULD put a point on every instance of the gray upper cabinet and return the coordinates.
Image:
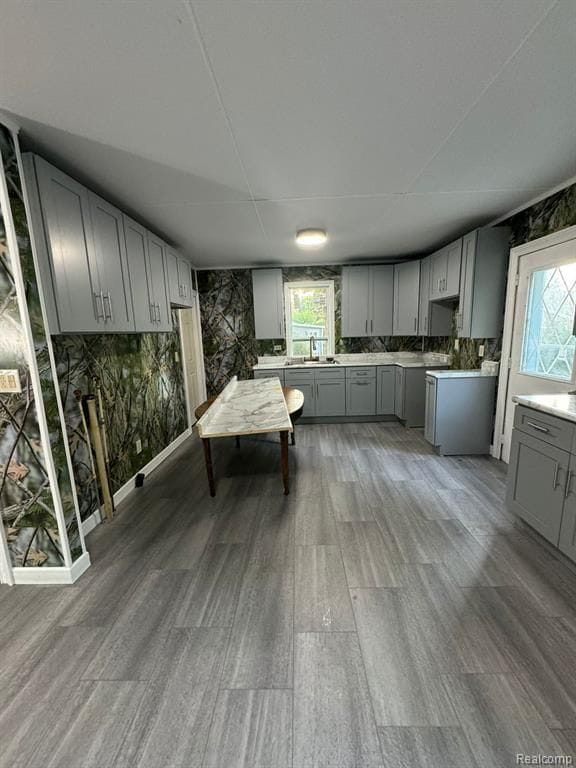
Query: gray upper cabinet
(146, 265)
(178, 279)
(367, 301)
(406, 298)
(157, 283)
(72, 274)
(483, 283)
(268, 291)
(381, 300)
(355, 301)
(110, 249)
(445, 271)
(434, 319)
(100, 271)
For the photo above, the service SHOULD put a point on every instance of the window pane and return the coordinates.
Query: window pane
(309, 317)
(548, 344)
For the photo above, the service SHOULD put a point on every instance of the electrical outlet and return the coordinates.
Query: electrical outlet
(177, 357)
(278, 347)
(456, 345)
(481, 350)
(138, 446)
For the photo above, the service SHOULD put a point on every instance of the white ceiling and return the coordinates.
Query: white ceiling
(229, 124)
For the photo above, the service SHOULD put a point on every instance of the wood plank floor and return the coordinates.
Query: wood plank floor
(388, 612)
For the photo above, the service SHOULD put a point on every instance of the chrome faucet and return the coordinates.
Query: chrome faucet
(312, 339)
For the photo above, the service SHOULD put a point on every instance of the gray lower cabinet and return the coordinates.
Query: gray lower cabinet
(567, 541)
(385, 389)
(361, 391)
(399, 392)
(459, 413)
(330, 397)
(536, 481)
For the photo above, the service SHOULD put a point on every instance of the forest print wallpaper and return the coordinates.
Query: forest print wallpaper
(141, 386)
(26, 501)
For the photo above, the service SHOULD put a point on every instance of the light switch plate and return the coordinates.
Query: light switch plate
(10, 381)
(456, 345)
(138, 446)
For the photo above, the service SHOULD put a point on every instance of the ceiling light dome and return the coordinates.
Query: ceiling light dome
(311, 238)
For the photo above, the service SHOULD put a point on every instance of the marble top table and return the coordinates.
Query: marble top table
(247, 408)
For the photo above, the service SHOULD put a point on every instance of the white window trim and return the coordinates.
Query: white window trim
(331, 330)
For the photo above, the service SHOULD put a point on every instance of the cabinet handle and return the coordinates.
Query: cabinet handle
(537, 427)
(371, 326)
(99, 313)
(567, 489)
(415, 323)
(159, 316)
(556, 470)
(107, 314)
(425, 322)
(366, 327)
(362, 383)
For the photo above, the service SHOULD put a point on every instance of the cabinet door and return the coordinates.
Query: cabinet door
(453, 263)
(424, 299)
(381, 300)
(385, 387)
(355, 301)
(568, 527)
(140, 284)
(464, 314)
(185, 281)
(438, 273)
(173, 278)
(399, 393)
(268, 303)
(66, 213)
(406, 298)
(110, 247)
(308, 389)
(535, 486)
(157, 279)
(331, 398)
(360, 397)
(430, 418)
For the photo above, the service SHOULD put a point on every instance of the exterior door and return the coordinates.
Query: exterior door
(542, 339)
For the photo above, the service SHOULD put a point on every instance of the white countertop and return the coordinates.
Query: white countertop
(247, 408)
(402, 359)
(461, 374)
(563, 406)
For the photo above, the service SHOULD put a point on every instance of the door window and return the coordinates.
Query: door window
(548, 342)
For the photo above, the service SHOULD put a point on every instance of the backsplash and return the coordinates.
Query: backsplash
(141, 382)
(549, 215)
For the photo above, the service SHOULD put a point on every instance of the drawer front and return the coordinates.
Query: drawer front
(270, 373)
(365, 372)
(545, 427)
(300, 375)
(329, 374)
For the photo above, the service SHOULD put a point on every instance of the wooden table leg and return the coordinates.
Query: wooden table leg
(237, 442)
(209, 468)
(284, 461)
(293, 436)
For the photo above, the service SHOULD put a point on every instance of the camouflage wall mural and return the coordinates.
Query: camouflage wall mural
(555, 212)
(140, 379)
(26, 501)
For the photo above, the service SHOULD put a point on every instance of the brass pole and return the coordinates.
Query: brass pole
(99, 453)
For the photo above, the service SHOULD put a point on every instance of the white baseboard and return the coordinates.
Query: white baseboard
(129, 486)
(91, 522)
(58, 575)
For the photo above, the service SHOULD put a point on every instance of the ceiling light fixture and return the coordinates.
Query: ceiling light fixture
(311, 238)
